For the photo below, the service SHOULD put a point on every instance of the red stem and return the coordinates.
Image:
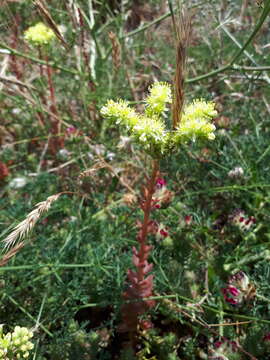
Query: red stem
(58, 142)
(147, 207)
(40, 66)
(51, 88)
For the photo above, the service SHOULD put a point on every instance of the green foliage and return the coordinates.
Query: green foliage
(68, 280)
(164, 347)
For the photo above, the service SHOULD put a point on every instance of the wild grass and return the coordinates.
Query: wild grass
(67, 281)
(23, 228)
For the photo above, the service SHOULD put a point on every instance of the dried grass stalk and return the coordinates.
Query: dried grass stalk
(91, 171)
(102, 164)
(116, 50)
(23, 228)
(11, 253)
(45, 14)
(182, 29)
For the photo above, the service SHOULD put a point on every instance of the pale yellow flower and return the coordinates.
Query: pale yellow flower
(195, 122)
(39, 34)
(160, 95)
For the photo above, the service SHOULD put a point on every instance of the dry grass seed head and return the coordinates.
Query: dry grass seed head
(91, 171)
(23, 228)
(182, 28)
(44, 13)
(116, 50)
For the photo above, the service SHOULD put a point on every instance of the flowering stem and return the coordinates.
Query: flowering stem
(142, 236)
(140, 285)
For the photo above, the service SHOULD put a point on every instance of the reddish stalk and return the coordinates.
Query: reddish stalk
(140, 286)
(40, 66)
(56, 141)
(14, 37)
(43, 98)
(146, 207)
(83, 47)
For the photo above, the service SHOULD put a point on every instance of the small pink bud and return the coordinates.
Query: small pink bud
(266, 337)
(217, 344)
(146, 324)
(230, 294)
(164, 233)
(188, 219)
(3, 170)
(233, 290)
(71, 130)
(232, 301)
(160, 183)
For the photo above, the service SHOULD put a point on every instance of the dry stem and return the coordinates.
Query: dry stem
(11, 253)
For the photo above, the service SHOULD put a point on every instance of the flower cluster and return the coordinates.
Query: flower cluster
(121, 112)
(195, 122)
(162, 197)
(149, 132)
(15, 345)
(243, 222)
(160, 95)
(149, 129)
(238, 289)
(39, 34)
(236, 173)
(224, 349)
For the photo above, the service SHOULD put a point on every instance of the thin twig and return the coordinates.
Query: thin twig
(13, 80)
(38, 61)
(43, 155)
(231, 64)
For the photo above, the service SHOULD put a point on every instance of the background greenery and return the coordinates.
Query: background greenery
(67, 282)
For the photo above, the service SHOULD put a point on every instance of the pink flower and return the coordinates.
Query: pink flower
(233, 290)
(242, 221)
(223, 349)
(228, 294)
(71, 130)
(163, 232)
(188, 219)
(160, 183)
(238, 289)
